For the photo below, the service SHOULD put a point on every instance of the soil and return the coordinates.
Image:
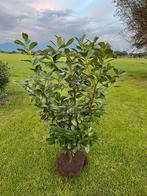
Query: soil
(71, 167)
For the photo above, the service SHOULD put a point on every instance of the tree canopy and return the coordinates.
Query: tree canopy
(134, 15)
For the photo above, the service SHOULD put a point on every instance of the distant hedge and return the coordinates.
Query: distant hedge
(4, 79)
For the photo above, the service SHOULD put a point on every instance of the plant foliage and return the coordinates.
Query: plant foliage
(69, 87)
(4, 79)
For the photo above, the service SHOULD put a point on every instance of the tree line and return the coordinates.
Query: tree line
(130, 54)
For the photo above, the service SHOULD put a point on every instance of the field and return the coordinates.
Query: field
(116, 166)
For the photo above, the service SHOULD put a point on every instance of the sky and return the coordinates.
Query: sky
(43, 19)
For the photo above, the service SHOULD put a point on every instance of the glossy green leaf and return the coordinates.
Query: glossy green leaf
(59, 41)
(33, 45)
(70, 41)
(19, 42)
(25, 36)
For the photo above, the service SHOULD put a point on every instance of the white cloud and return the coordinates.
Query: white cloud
(42, 19)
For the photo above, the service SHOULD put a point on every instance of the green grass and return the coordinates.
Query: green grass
(116, 166)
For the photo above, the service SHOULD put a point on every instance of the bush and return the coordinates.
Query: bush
(69, 87)
(4, 79)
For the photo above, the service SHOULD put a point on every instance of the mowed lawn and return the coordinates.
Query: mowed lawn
(116, 166)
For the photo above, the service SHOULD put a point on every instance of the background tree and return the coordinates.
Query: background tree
(118, 53)
(134, 14)
(4, 79)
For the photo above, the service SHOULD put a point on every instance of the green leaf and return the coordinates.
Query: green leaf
(87, 148)
(51, 48)
(67, 51)
(121, 72)
(38, 68)
(56, 57)
(74, 122)
(18, 42)
(25, 36)
(95, 39)
(62, 46)
(82, 38)
(116, 70)
(102, 44)
(70, 42)
(50, 141)
(59, 41)
(33, 45)
(22, 50)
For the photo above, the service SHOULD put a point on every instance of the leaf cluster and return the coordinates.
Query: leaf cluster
(69, 86)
